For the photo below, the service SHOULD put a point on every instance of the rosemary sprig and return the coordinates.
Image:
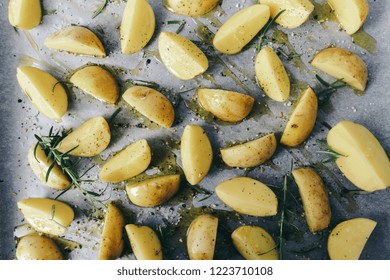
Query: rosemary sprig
(289, 56)
(100, 9)
(181, 23)
(330, 88)
(263, 40)
(333, 155)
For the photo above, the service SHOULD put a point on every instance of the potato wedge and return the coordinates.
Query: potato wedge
(248, 196)
(98, 82)
(342, 64)
(129, 162)
(45, 92)
(152, 104)
(296, 13)
(302, 120)
(196, 153)
(181, 57)
(314, 197)
(112, 240)
(137, 27)
(271, 75)
(365, 162)
(350, 13)
(201, 237)
(37, 247)
(226, 105)
(25, 14)
(91, 138)
(144, 242)
(254, 243)
(241, 28)
(191, 8)
(347, 239)
(76, 40)
(47, 215)
(250, 154)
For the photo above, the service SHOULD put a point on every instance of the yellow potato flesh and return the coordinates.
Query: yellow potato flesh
(248, 196)
(347, 239)
(250, 154)
(342, 64)
(226, 105)
(152, 104)
(241, 28)
(302, 120)
(25, 14)
(37, 247)
(365, 162)
(181, 57)
(254, 243)
(314, 197)
(191, 8)
(97, 82)
(271, 75)
(196, 153)
(201, 237)
(144, 242)
(91, 138)
(47, 215)
(76, 40)
(130, 162)
(44, 91)
(137, 27)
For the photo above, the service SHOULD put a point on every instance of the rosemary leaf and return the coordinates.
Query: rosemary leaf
(100, 9)
(263, 32)
(113, 116)
(49, 170)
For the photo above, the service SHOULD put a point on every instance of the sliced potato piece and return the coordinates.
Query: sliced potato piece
(250, 154)
(347, 239)
(144, 242)
(342, 64)
(241, 28)
(191, 8)
(314, 197)
(201, 237)
(302, 120)
(271, 75)
(181, 57)
(152, 104)
(130, 162)
(25, 14)
(47, 215)
(226, 105)
(365, 162)
(137, 27)
(248, 196)
(37, 247)
(76, 40)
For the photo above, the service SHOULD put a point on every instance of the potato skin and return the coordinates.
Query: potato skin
(25, 14)
(191, 8)
(144, 242)
(37, 247)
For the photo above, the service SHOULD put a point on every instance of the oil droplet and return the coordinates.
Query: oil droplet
(323, 13)
(365, 40)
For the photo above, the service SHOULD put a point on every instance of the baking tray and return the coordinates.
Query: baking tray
(20, 121)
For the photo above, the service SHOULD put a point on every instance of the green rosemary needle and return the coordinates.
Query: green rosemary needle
(263, 32)
(100, 9)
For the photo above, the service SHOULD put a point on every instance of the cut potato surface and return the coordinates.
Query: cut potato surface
(191, 8)
(144, 242)
(37, 247)
(25, 14)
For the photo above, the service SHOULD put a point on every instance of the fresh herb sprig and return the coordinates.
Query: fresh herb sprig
(101, 8)
(330, 88)
(264, 40)
(181, 24)
(333, 155)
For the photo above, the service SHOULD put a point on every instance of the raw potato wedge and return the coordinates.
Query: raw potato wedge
(112, 240)
(201, 237)
(144, 242)
(296, 12)
(248, 196)
(76, 40)
(40, 165)
(130, 162)
(98, 82)
(152, 104)
(271, 75)
(254, 243)
(347, 239)
(47, 215)
(250, 154)
(302, 120)
(137, 27)
(45, 92)
(226, 105)
(365, 162)
(91, 138)
(314, 197)
(181, 57)
(342, 64)
(191, 8)
(37, 247)
(196, 153)
(154, 191)
(25, 14)
(350, 13)
(241, 28)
